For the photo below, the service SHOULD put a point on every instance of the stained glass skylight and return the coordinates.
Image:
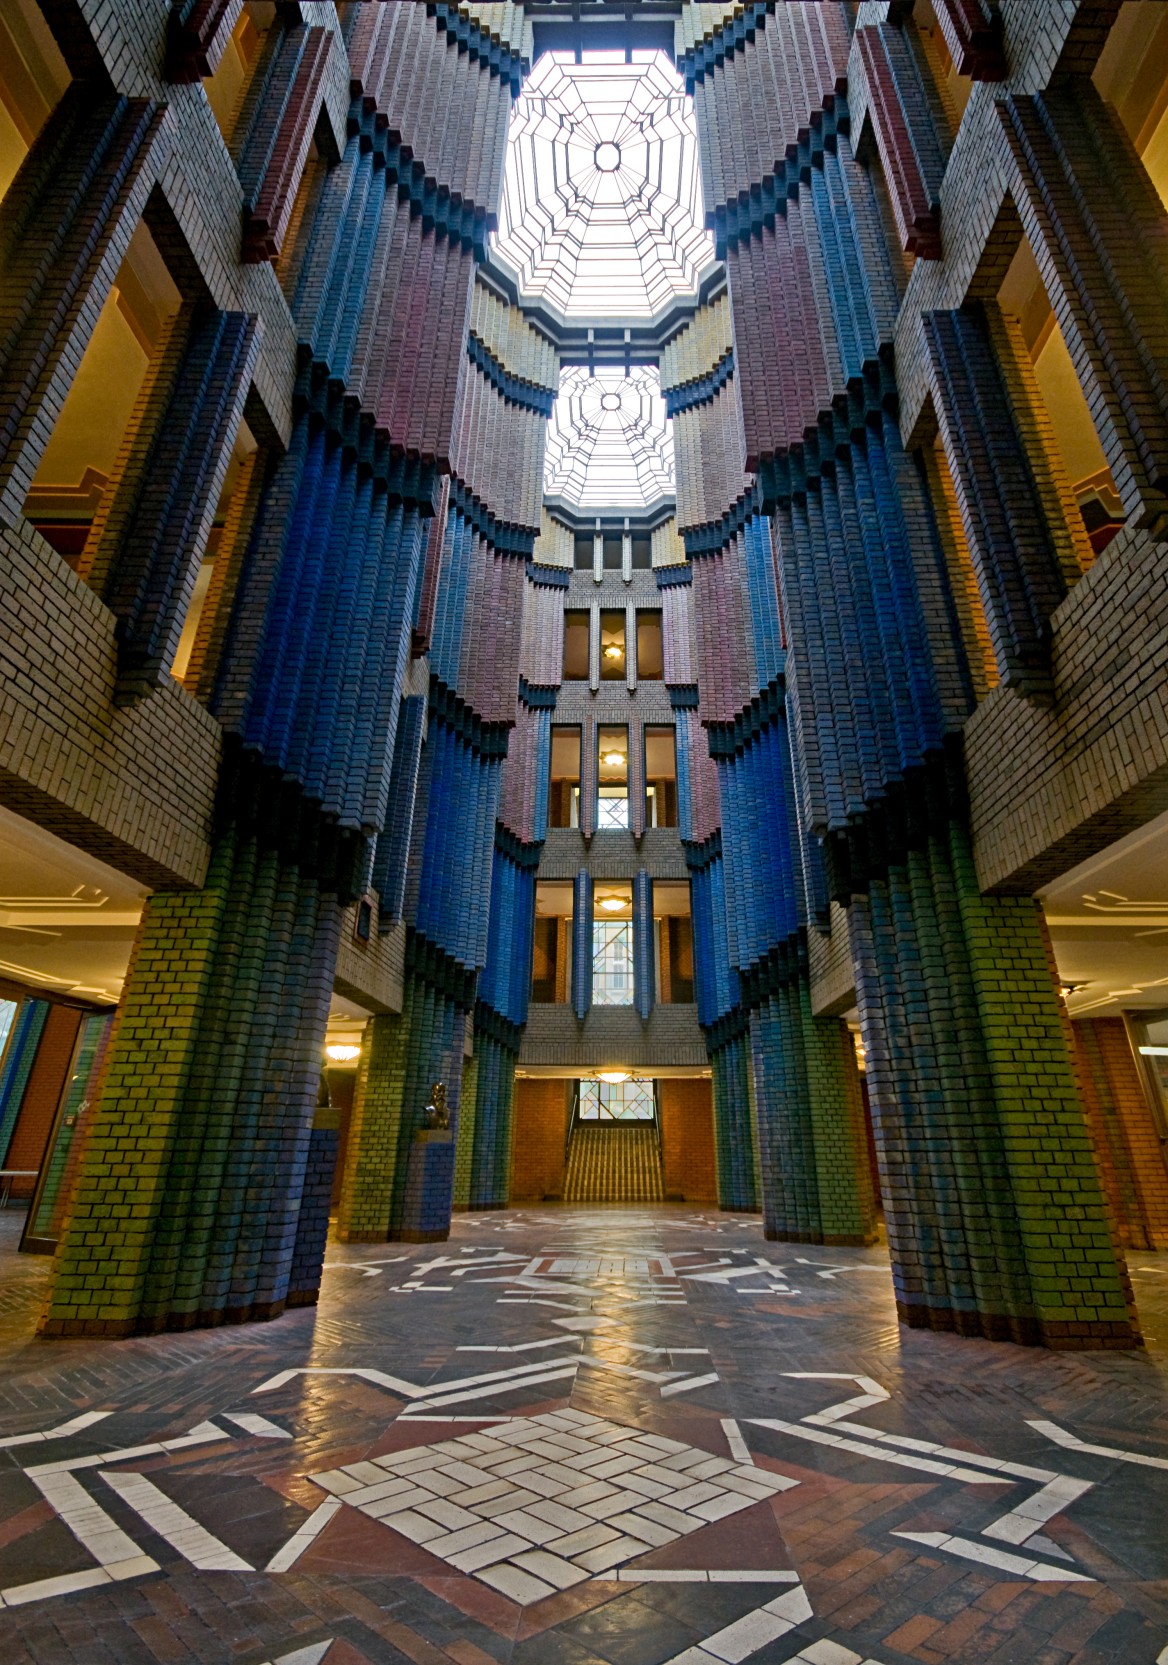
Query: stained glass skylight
(609, 442)
(602, 200)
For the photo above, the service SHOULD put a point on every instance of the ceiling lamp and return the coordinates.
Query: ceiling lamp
(614, 652)
(612, 904)
(612, 1077)
(612, 760)
(342, 1053)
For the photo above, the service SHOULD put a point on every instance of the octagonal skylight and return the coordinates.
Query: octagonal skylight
(610, 443)
(602, 202)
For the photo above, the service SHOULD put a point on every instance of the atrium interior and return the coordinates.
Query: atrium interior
(584, 732)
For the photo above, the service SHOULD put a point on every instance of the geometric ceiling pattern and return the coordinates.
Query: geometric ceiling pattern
(609, 441)
(601, 214)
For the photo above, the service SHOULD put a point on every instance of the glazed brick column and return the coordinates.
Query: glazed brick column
(1023, 573)
(187, 1201)
(817, 1184)
(425, 1165)
(494, 1120)
(393, 845)
(1100, 235)
(100, 1276)
(464, 1147)
(997, 1223)
(504, 989)
(814, 1170)
(734, 1126)
(363, 1215)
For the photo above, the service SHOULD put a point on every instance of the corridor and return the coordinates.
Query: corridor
(571, 1436)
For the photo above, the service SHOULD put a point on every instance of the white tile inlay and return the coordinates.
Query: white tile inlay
(508, 1506)
(181, 1531)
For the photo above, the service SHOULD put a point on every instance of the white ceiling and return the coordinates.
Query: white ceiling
(67, 921)
(1108, 922)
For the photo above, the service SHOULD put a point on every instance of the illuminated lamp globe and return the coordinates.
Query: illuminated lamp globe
(342, 1054)
(612, 760)
(613, 652)
(612, 1077)
(612, 904)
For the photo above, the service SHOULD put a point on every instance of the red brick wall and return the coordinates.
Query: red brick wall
(1127, 1145)
(541, 1131)
(42, 1094)
(687, 1139)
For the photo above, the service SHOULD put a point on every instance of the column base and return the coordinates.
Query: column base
(174, 1323)
(1063, 1336)
(821, 1239)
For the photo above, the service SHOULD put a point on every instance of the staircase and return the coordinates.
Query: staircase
(613, 1164)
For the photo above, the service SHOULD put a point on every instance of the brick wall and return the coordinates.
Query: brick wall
(687, 1139)
(541, 1132)
(1127, 1144)
(1052, 784)
(132, 785)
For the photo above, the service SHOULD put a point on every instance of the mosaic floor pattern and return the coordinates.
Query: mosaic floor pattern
(582, 1437)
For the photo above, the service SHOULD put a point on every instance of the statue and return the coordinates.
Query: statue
(436, 1115)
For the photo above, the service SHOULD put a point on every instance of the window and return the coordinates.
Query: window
(616, 1101)
(612, 945)
(612, 810)
(613, 664)
(238, 473)
(1132, 75)
(602, 212)
(650, 647)
(674, 944)
(543, 968)
(1024, 300)
(552, 947)
(613, 551)
(79, 462)
(584, 551)
(226, 87)
(609, 441)
(33, 75)
(564, 785)
(1150, 1030)
(576, 634)
(660, 777)
(642, 552)
(940, 59)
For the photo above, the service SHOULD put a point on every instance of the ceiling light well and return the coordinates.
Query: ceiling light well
(602, 166)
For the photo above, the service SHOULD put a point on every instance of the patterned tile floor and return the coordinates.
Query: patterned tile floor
(582, 1437)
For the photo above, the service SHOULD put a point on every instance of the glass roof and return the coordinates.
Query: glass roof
(609, 443)
(602, 202)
